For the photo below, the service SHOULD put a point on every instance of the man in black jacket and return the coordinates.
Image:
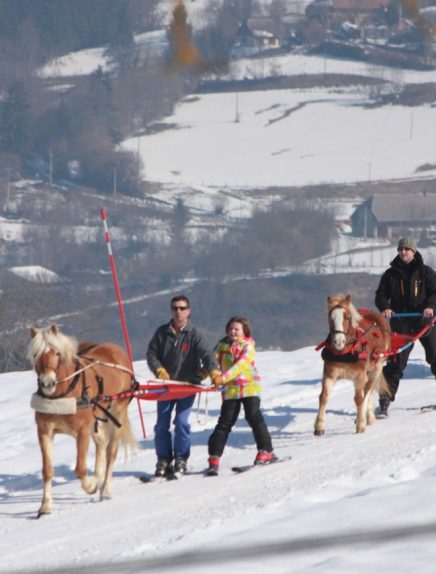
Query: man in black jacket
(408, 286)
(178, 351)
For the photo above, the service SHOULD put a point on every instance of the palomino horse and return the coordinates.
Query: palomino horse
(355, 349)
(75, 384)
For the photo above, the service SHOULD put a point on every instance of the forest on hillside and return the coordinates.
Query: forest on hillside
(80, 121)
(218, 268)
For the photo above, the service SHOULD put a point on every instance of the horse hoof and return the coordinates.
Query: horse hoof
(43, 513)
(318, 432)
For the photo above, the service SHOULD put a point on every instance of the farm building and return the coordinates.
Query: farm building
(395, 215)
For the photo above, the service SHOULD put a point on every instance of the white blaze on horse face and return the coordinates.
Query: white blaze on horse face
(47, 375)
(339, 338)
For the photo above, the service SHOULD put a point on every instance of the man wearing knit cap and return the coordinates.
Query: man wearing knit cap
(408, 286)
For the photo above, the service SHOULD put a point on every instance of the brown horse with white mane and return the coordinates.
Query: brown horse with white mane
(75, 384)
(355, 349)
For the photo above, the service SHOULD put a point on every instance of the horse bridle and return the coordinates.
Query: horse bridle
(347, 317)
(71, 386)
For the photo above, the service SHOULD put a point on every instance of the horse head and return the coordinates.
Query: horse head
(342, 318)
(49, 351)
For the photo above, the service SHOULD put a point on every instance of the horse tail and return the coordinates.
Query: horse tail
(383, 387)
(123, 431)
(127, 437)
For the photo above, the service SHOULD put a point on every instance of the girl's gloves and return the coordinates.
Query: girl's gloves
(217, 378)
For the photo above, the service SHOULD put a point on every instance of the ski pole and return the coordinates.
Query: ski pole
(120, 304)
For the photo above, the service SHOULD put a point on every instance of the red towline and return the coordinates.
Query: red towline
(161, 390)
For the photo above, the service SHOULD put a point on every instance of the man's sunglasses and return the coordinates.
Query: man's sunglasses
(178, 308)
(405, 249)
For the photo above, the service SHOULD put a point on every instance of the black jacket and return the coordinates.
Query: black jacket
(407, 288)
(182, 354)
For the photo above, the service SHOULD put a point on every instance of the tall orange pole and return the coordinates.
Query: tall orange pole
(120, 304)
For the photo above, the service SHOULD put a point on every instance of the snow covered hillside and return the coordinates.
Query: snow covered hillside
(288, 137)
(343, 503)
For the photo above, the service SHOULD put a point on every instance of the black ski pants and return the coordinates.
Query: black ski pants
(230, 410)
(394, 369)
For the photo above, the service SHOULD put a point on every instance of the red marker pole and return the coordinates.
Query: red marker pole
(120, 304)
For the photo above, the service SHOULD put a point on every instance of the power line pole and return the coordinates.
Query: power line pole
(8, 186)
(50, 167)
(115, 184)
(237, 109)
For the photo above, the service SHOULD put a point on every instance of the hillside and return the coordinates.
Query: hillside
(324, 141)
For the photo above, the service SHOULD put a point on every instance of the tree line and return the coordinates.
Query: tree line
(280, 237)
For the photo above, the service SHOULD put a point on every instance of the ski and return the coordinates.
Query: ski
(428, 408)
(147, 478)
(211, 472)
(241, 469)
(176, 475)
(150, 478)
(380, 416)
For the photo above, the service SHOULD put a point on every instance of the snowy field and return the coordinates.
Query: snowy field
(287, 137)
(344, 503)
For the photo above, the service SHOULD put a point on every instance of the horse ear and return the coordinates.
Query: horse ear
(33, 332)
(54, 329)
(348, 299)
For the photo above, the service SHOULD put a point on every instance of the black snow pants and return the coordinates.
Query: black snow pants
(230, 410)
(395, 366)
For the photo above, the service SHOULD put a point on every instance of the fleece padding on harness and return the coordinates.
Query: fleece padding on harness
(65, 406)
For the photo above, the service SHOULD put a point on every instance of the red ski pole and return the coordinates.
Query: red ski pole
(120, 304)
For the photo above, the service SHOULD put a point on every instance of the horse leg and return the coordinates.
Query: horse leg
(328, 383)
(116, 435)
(111, 455)
(88, 483)
(100, 440)
(370, 414)
(374, 378)
(361, 403)
(46, 443)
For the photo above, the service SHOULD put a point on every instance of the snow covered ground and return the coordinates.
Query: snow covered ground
(287, 137)
(344, 503)
(280, 137)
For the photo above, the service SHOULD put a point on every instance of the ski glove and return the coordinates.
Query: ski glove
(217, 379)
(162, 374)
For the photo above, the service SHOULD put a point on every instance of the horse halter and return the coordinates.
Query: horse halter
(47, 373)
(340, 338)
(346, 319)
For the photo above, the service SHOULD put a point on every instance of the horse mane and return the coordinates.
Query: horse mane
(43, 339)
(341, 300)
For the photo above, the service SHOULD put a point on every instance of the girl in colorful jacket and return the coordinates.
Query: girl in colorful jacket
(236, 356)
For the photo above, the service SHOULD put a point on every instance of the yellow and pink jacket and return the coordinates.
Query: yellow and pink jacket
(237, 362)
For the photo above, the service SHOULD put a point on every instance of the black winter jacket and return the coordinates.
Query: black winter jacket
(182, 354)
(407, 288)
